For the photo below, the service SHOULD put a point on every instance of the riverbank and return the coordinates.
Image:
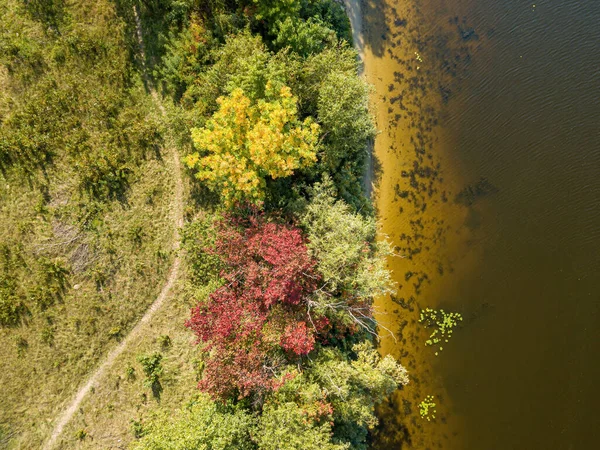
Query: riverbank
(415, 182)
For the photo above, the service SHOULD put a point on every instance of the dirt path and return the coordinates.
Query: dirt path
(177, 211)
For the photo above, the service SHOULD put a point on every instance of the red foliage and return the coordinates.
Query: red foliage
(259, 313)
(298, 339)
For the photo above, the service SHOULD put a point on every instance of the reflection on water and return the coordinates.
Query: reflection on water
(487, 184)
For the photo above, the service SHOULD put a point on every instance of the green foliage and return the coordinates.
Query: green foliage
(311, 72)
(330, 405)
(115, 333)
(303, 37)
(344, 115)
(165, 341)
(46, 282)
(130, 373)
(331, 13)
(52, 283)
(273, 11)
(243, 62)
(202, 425)
(22, 345)
(314, 20)
(79, 103)
(12, 304)
(47, 335)
(350, 261)
(427, 408)
(285, 426)
(137, 428)
(81, 434)
(11, 307)
(161, 19)
(443, 324)
(185, 54)
(352, 386)
(152, 367)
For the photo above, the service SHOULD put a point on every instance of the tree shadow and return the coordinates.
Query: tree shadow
(374, 29)
(157, 390)
(391, 433)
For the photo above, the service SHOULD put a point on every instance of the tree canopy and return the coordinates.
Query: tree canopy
(256, 321)
(246, 142)
(328, 405)
(201, 425)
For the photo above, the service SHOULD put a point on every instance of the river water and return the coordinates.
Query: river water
(487, 181)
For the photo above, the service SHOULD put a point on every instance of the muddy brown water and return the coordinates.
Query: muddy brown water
(487, 176)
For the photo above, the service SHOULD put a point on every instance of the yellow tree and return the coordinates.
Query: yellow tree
(243, 143)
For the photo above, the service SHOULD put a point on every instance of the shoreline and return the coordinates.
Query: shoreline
(353, 11)
(426, 229)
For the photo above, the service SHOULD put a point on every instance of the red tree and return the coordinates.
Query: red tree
(258, 319)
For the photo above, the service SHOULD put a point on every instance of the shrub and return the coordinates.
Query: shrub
(81, 434)
(130, 373)
(47, 335)
(164, 341)
(203, 424)
(152, 367)
(22, 346)
(115, 332)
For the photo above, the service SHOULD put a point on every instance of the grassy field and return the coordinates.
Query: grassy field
(86, 192)
(108, 417)
(112, 278)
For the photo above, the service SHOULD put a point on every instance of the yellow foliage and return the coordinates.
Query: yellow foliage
(243, 143)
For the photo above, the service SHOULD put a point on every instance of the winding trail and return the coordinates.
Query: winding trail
(177, 211)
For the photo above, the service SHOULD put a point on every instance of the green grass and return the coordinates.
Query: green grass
(86, 186)
(109, 414)
(114, 275)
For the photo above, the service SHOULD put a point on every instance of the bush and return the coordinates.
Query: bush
(130, 373)
(81, 435)
(115, 333)
(11, 307)
(152, 367)
(164, 341)
(47, 335)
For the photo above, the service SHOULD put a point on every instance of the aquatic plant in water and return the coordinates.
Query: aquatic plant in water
(427, 408)
(443, 323)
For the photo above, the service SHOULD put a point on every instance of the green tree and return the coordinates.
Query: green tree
(351, 262)
(242, 62)
(344, 115)
(272, 11)
(202, 425)
(304, 37)
(286, 426)
(340, 388)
